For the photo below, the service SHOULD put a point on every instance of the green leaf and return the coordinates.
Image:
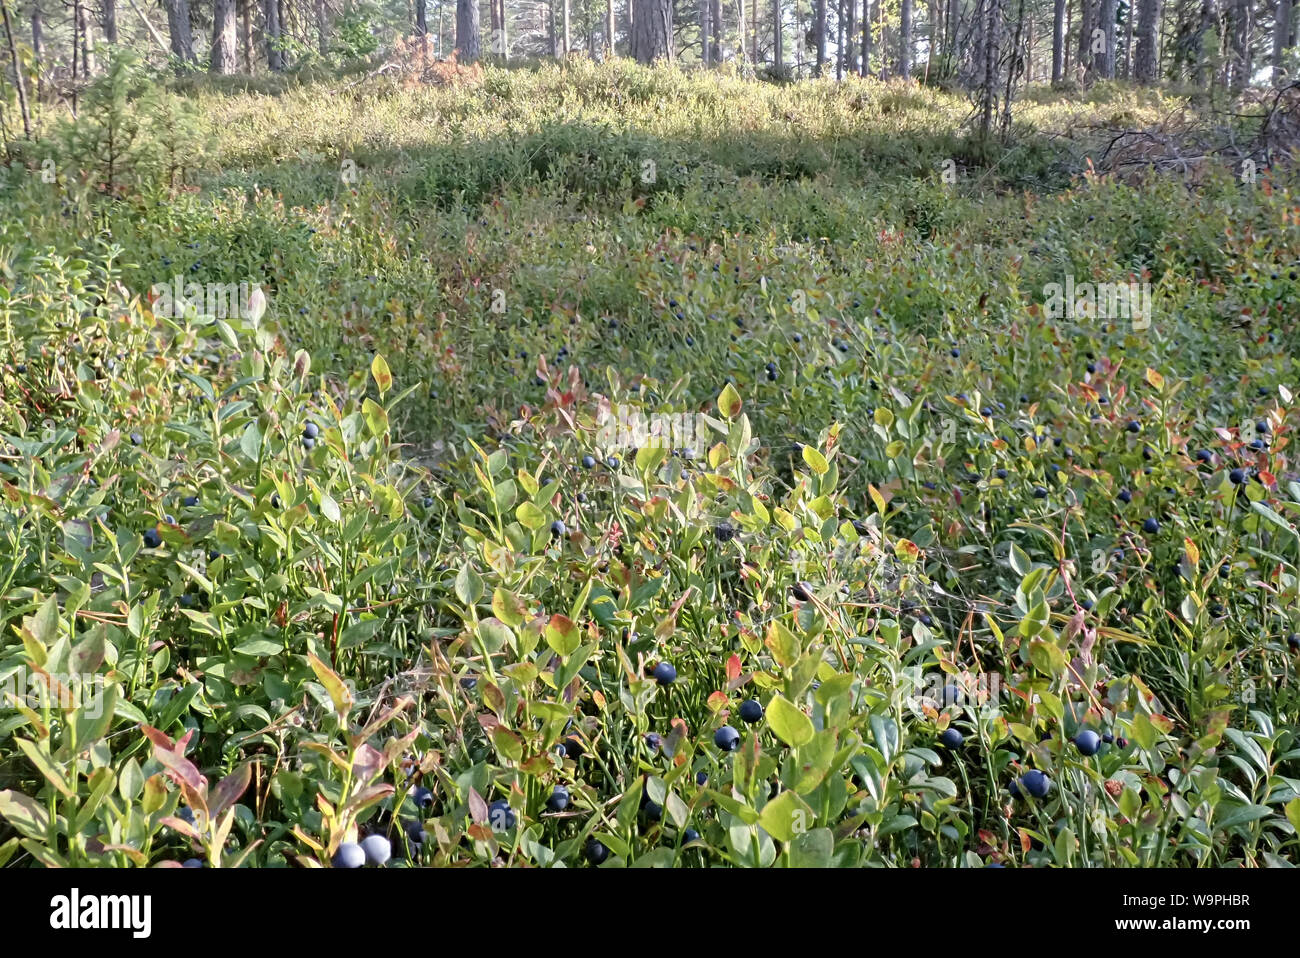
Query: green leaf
(496, 635)
(376, 417)
(530, 516)
(45, 765)
(1020, 560)
(329, 508)
(562, 635)
(338, 691)
(88, 655)
(24, 814)
(1293, 813)
(383, 377)
(729, 402)
(44, 625)
(1242, 815)
(813, 849)
(507, 607)
(250, 442)
(1274, 518)
(508, 743)
(786, 816)
(788, 722)
(469, 585)
(661, 857)
(815, 460)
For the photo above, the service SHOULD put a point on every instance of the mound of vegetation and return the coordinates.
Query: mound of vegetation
(570, 483)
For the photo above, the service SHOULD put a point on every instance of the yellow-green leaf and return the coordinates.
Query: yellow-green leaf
(729, 402)
(383, 377)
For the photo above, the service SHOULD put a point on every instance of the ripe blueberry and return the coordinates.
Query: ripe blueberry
(1035, 783)
(1087, 742)
(349, 855)
(558, 800)
(751, 711)
(595, 851)
(664, 673)
(951, 738)
(1151, 526)
(727, 738)
(501, 816)
(377, 849)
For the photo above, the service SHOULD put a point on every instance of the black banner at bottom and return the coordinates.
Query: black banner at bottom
(146, 907)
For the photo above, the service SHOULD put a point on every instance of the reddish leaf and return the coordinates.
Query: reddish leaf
(733, 668)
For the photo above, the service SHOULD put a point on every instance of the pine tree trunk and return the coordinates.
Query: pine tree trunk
(246, 33)
(820, 27)
(1240, 29)
(467, 30)
(223, 60)
(271, 34)
(1087, 23)
(652, 30)
(716, 17)
(933, 12)
(778, 44)
(19, 81)
(1106, 66)
(1058, 40)
(1202, 43)
(864, 67)
(322, 28)
(993, 25)
(421, 18)
(839, 41)
(87, 39)
(905, 40)
(38, 46)
(1128, 41)
(108, 20)
(1281, 37)
(1145, 54)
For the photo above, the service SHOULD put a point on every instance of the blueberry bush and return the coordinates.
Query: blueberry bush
(578, 486)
